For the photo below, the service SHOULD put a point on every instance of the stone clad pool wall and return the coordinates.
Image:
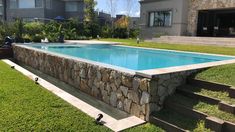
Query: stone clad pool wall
(131, 93)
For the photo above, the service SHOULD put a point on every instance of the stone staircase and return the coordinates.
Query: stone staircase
(216, 41)
(180, 114)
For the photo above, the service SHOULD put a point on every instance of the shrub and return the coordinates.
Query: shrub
(106, 32)
(120, 32)
(134, 33)
(37, 38)
(52, 31)
(33, 31)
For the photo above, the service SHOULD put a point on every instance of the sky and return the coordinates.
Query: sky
(121, 8)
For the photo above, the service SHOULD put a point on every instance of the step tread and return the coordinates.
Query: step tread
(202, 91)
(201, 107)
(177, 119)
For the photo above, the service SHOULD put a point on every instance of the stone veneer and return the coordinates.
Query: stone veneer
(196, 5)
(133, 94)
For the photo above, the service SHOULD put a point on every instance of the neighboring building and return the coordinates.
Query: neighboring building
(49, 9)
(104, 18)
(134, 22)
(29, 10)
(2, 10)
(212, 18)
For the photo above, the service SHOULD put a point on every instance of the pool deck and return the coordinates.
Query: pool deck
(111, 122)
(91, 42)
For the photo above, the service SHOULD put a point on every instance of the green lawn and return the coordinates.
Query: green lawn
(222, 74)
(25, 106)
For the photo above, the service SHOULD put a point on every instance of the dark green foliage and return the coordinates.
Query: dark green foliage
(134, 33)
(19, 30)
(120, 32)
(91, 27)
(52, 31)
(106, 31)
(33, 31)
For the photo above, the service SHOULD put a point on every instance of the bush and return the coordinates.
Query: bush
(52, 31)
(33, 31)
(106, 32)
(120, 32)
(37, 38)
(134, 33)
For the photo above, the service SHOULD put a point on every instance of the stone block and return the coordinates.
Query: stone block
(124, 90)
(144, 98)
(127, 105)
(144, 84)
(134, 96)
(113, 99)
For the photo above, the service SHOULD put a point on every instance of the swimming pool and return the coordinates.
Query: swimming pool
(132, 58)
(126, 78)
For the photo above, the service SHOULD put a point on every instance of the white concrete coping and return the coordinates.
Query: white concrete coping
(110, 122)
(90, 42)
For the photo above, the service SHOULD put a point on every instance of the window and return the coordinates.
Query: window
(38, 3)
(48, 4)
(26, 4)
(1, 10)
(13, 4)
(160, 18)
(71, 6)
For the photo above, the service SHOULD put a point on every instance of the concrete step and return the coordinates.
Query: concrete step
(182, 90)
(172, 121)
(223, 106)
(165, 125)
(195, 40)
(212, 123)
(212, 86)
(209, 39)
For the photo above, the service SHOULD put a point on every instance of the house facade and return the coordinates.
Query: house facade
(2, 9)
(211, 18)
(44, 9)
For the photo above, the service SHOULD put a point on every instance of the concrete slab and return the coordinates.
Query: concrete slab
(115, 124)
(90, 42)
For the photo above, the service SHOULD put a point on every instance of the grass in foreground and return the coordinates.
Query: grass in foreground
(222, 74)
(181, 121)
(26, 106)
(145, 128)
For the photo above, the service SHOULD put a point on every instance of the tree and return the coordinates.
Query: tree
(129, 5)
(122, 22)
(112, 5)
(90, 21)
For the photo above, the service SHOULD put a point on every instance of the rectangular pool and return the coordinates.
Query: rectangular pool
(132, 58)
(126, 78)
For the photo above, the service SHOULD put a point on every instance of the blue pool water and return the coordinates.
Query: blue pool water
(132, 58)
